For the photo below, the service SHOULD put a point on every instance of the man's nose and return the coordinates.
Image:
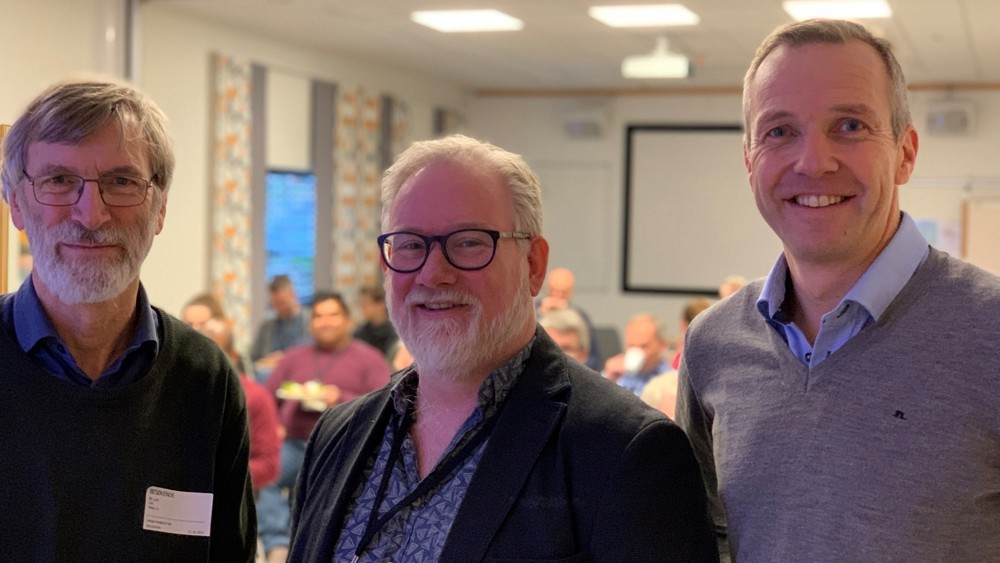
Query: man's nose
(437, 270)
(90, 210)
(817, 155)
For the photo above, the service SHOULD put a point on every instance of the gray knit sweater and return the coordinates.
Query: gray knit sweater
(889, 450)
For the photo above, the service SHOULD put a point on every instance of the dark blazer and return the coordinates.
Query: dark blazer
(577, 469)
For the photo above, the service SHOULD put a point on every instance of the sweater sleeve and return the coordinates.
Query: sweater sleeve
(692, 418)
(234, 519)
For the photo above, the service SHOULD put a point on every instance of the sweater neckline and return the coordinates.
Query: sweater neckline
(869, 336)
(29, 377)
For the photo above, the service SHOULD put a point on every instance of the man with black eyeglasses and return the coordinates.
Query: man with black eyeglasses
(492, 445)
(124, 432)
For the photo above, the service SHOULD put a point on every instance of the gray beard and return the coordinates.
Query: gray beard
(452, 350)
(88, 281)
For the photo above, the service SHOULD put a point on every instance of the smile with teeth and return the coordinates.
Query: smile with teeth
(818, 200)
(439, 306)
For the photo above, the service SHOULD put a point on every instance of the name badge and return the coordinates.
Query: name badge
(178, 512)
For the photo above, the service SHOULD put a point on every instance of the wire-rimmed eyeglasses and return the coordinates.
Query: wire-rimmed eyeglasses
(117, 190)
(465, 249)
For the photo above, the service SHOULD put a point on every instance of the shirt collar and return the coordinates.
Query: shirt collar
(32, 325)
(890, 271)
(876, 288)
(491, 393)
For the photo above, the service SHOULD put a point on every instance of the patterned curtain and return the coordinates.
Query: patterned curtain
(399, 130)
(357, 171)
(231, 194)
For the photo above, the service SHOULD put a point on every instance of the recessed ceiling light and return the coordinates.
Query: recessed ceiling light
(652, 15)
(838, 9)
(450, 21)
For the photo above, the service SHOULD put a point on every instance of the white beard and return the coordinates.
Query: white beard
(450, 348)
(77, 281)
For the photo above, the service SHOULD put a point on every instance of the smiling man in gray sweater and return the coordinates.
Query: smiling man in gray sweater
(847, 408)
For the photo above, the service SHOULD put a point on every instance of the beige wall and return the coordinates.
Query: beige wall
(588, 235)
(175, 70)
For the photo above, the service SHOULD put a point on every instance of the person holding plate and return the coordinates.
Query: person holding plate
(308, 379)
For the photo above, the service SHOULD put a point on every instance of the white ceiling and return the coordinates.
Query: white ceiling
(561, 47)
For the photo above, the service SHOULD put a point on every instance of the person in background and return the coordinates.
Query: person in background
(692, 308)
(289, 327)
(644, 357)
(493, 445)
(114, 414)
(376, 329)
(334, 368)
(265, 438)
(661, 391)
(560, 286)
(731, 285)
(201, 308)
(568, 330)
(847, 407)
(400, 357)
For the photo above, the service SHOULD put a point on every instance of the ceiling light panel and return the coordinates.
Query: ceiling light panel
(653, 15)
(452, 21)
(838, 9)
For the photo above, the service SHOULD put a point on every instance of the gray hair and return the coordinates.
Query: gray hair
(523, 185)
(567, 320)
(69, 112)
(835, 32)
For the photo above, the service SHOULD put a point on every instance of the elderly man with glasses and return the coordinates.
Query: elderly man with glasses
(492, 446)
(124, 431)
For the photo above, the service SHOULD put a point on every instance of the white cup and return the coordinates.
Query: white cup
(634, 358)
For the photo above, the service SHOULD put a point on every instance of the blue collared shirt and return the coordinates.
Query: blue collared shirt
(38, 338)
(863, 304)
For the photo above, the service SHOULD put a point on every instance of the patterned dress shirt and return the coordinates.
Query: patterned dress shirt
(418, 531)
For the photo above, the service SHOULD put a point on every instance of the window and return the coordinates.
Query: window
(290, 229)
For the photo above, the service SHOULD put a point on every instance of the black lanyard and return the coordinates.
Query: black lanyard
(436, 477)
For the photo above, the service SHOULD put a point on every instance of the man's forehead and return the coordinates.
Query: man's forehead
(448, 194)
(843, 78)
(640, 328)
(106, 141)
(438, 172)
(816, 59)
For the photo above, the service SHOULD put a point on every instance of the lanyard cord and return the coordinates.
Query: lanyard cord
(436, 477)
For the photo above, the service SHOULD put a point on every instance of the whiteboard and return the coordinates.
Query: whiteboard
(690, 217)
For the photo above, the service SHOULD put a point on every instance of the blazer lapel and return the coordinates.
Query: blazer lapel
(529, 416)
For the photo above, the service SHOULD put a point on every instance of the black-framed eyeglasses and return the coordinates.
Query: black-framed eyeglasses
(465, 249)
(117, 190)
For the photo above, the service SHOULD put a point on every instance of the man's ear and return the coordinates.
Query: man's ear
(16, 213)
(907, 156)
(538, 263)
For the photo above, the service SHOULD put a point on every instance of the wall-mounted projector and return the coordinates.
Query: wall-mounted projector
(661, 63)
